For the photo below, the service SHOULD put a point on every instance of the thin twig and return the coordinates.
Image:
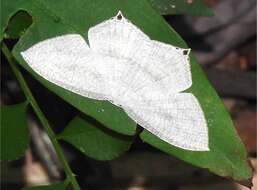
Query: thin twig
(40, 115)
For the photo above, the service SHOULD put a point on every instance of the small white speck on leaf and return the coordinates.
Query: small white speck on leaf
(82, 149)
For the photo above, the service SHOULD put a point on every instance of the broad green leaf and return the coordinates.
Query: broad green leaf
(57, 186)
(18, 25)
(94, 140)
(227, 156)
(14, 131)
(181, 7)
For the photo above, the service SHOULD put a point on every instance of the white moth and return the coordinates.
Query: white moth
(123, 65)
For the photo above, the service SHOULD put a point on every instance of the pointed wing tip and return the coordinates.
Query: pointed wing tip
(204, 148)
(199, 145)
(24, 54)
(197, 149)
(204, 142)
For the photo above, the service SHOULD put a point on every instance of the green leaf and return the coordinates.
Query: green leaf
(94, 140)
(227, 156)
(18, 25)
(181, 7)
(14, 131)
(52, 18)
(57, 186)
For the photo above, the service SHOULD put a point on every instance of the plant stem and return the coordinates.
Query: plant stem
(40, 115)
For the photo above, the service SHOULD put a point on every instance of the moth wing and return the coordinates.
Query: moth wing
(67, 61)
(178, 120)
(116, 37)
(168, 65)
